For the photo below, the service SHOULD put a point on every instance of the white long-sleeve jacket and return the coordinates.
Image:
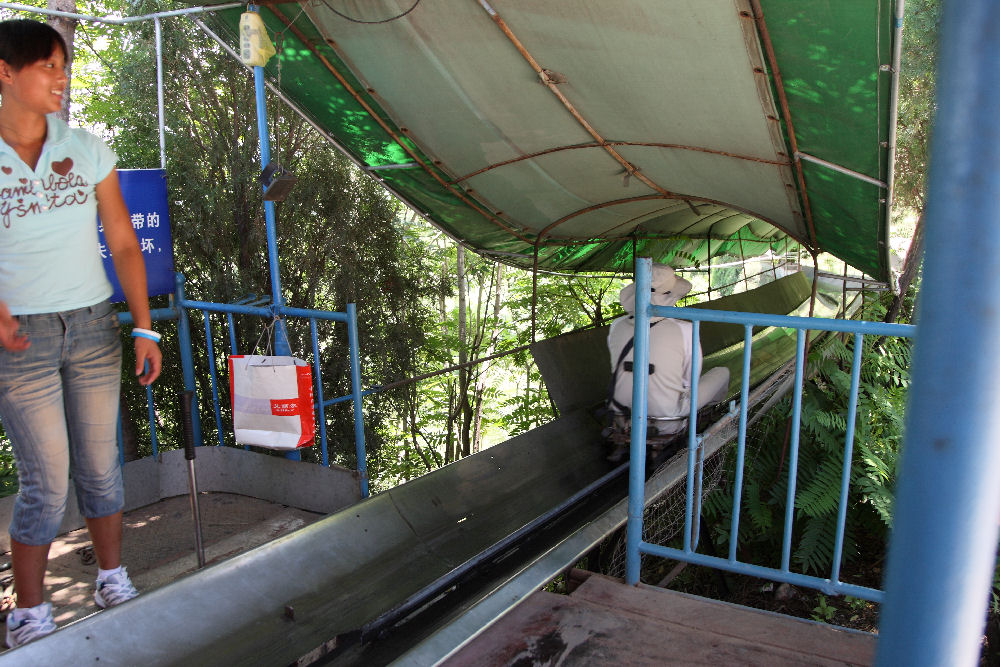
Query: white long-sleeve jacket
(670, 358)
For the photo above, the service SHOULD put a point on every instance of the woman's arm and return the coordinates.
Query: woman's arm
(131, 270)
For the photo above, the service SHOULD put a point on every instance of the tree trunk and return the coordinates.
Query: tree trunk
(443, 316)
(477, 433)
(66, 28)
(450, 450)
(442, 306)
(477, 426)
(413, 438)
(464, 411)
(462, 289)
(910, 266)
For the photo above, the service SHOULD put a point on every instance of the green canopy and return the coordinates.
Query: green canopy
(588, 131)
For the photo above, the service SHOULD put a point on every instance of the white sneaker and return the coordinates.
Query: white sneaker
(25, 625)
(114, 590)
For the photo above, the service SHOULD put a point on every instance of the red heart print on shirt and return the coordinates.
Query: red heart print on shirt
(63, 166)
(7, 170)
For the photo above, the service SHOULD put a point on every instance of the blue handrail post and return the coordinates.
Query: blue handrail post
(943, 547)
(151, 416)
(741, 444)
(637, 453)
(692, 518)
(187, 358)
(210, 351)
(359, 424)
(281, 346)
(320, 407)
(793, 449)
(120, 439)
(845, 475)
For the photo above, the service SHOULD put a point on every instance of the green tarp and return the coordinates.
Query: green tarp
(659, 132)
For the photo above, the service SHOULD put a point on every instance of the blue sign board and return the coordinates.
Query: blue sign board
(145, 192)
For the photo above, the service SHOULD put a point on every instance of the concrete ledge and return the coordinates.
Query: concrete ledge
(224, 470)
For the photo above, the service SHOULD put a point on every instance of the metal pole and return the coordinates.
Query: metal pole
(151, 416)
(743, 259)
(359, 424)
(843, 294)
(637, 454)
(281, 346)
(187, 359)
(320, 406)
(187, 400)
(741, 443)
(845, 476)
(793, 454)
(210, 351)
(897, 59)
(113, 20)
(841, 170)
(709, 263)
(944, 540)
(121, 440)
(159, 91)
(690, 516)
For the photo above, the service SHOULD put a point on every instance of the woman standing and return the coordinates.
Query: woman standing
(60, 357)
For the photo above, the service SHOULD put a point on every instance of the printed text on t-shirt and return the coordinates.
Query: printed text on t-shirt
(64, 187)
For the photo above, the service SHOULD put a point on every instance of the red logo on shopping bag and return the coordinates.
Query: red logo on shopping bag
(285, 407)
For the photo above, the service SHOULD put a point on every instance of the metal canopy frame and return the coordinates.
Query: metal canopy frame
(408, 163)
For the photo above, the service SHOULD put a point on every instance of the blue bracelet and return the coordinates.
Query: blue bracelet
(146, 333)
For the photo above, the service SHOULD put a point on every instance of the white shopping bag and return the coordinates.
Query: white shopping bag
(272, 401)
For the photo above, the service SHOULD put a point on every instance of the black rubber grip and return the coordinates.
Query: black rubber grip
(187, 399)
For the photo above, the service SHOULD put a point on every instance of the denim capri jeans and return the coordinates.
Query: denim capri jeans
(59, 407)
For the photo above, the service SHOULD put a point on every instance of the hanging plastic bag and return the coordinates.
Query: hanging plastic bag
(272, 401)
(255, 44)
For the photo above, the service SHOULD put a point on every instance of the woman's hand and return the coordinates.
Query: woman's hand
(131, 270)
(9, 338)
(147, 351)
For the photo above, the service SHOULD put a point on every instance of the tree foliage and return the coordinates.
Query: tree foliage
(486, 311)
(916, 103)
(340, 236)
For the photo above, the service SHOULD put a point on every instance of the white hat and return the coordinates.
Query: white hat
(667, 287)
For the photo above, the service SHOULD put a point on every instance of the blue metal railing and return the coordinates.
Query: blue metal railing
(179, 312)
(942, 553)
(634, 543)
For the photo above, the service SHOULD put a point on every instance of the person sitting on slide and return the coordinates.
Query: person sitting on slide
(670, 359)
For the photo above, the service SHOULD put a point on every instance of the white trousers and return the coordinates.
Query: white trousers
(713, 386)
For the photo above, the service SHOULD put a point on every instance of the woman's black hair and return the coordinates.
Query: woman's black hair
(23, 42)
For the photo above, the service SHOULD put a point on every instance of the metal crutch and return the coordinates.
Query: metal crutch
(187, 400)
